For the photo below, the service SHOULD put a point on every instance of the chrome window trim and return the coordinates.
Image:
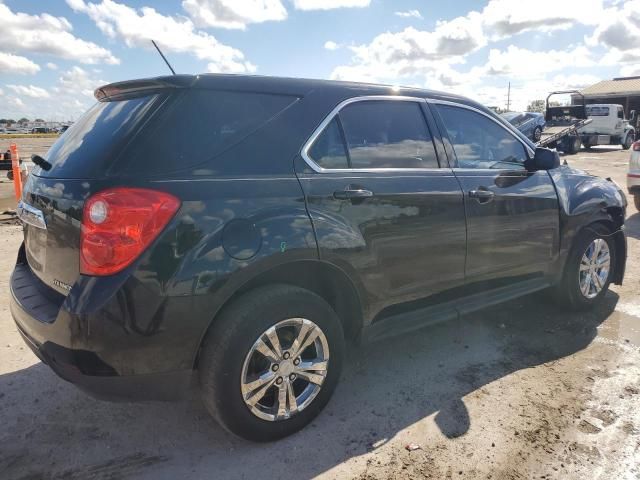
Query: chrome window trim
(304, 153)
(473, 109)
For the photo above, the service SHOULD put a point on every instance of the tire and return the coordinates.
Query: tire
(628, 141)
(230, 348)
(568, 292)
(572, 145)
(636, 201)
(537, 134)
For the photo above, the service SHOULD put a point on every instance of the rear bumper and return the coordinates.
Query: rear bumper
(61, 340)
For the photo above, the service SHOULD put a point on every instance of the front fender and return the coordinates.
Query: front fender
(585, 199)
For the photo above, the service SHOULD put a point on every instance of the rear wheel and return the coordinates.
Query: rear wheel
(271, 362)
(588, 270)
(572, 145)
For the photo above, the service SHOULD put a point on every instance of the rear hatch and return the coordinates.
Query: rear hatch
(80, 160)
(138, 131)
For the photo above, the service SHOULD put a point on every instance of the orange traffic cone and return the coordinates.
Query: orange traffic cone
(15, 167)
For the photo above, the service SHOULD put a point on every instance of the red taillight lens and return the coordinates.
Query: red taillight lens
(118, 224)
(636, 146)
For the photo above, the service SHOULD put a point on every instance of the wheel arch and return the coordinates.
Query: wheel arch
(324, 279)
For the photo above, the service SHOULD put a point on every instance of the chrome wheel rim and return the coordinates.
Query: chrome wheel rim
(594, 268)
(285, 369)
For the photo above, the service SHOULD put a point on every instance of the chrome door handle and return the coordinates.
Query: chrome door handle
(349, 194)
(482, 195)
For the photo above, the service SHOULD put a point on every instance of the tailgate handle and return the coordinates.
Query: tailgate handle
(31, 215)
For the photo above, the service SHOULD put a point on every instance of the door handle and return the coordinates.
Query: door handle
(350, 193)
(482, 195)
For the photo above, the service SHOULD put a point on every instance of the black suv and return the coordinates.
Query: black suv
(244, 230)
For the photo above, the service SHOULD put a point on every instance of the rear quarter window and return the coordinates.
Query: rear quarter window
(197, 125)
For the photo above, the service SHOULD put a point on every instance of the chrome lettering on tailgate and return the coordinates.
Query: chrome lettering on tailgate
(31, 215)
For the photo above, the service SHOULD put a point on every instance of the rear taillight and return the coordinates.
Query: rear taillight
(636, 146)
(118, 224)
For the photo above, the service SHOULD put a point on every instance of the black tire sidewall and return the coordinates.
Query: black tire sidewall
(539, 131)
(252, 315)
(571, 278)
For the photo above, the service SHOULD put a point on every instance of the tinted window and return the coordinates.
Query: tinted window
(89, 144)
(328, 150)
(479, 142)
(387, 134)
(197, 125)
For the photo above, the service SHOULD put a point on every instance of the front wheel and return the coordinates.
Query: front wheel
(628, 141)
(589, 269)
(271, 362)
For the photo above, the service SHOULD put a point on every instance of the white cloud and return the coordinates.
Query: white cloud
(46, 34)
(414, 52)
(71, 95)
(173, 34)
(331, 45)
(52, 66)
(233, 13)
(515, 62)
(329, 4)
(78, 80)
(409, 14)
(504, 18)
(16, 64)
(29, 91)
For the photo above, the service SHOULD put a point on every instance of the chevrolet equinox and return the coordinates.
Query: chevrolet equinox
(243, 231)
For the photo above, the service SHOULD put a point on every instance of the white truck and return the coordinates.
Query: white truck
(608, 126)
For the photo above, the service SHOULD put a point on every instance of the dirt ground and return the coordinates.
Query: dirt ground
(513, 392)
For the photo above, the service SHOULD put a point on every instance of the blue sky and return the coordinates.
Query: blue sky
(53, 54)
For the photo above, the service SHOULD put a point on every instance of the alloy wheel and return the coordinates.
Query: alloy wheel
(285, 369)
(594, 269)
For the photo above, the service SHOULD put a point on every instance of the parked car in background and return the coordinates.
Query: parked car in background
(40, 130)
(249, 230)
(531, 124)
(633, 175)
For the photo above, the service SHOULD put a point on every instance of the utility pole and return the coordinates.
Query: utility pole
(509, 97)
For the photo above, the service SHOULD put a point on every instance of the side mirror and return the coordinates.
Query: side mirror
(543, 159)
(633, 116)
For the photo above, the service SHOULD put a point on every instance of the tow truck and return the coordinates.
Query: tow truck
(563, 124)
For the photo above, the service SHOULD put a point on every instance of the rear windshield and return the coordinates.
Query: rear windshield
(597, 111)
(197, 125)
(181, 130)
(86, 149)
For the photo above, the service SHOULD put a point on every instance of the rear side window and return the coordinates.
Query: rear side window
(387, 134)
(197, 125)
(480, 142)
(329, 150)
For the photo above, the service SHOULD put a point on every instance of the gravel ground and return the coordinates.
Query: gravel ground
(518, 391)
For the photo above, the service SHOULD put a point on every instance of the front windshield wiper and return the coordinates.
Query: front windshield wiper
(41, 162)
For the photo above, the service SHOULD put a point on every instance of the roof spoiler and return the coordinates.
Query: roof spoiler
(142, 87)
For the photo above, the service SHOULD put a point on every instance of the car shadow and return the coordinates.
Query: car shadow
(51, 430)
